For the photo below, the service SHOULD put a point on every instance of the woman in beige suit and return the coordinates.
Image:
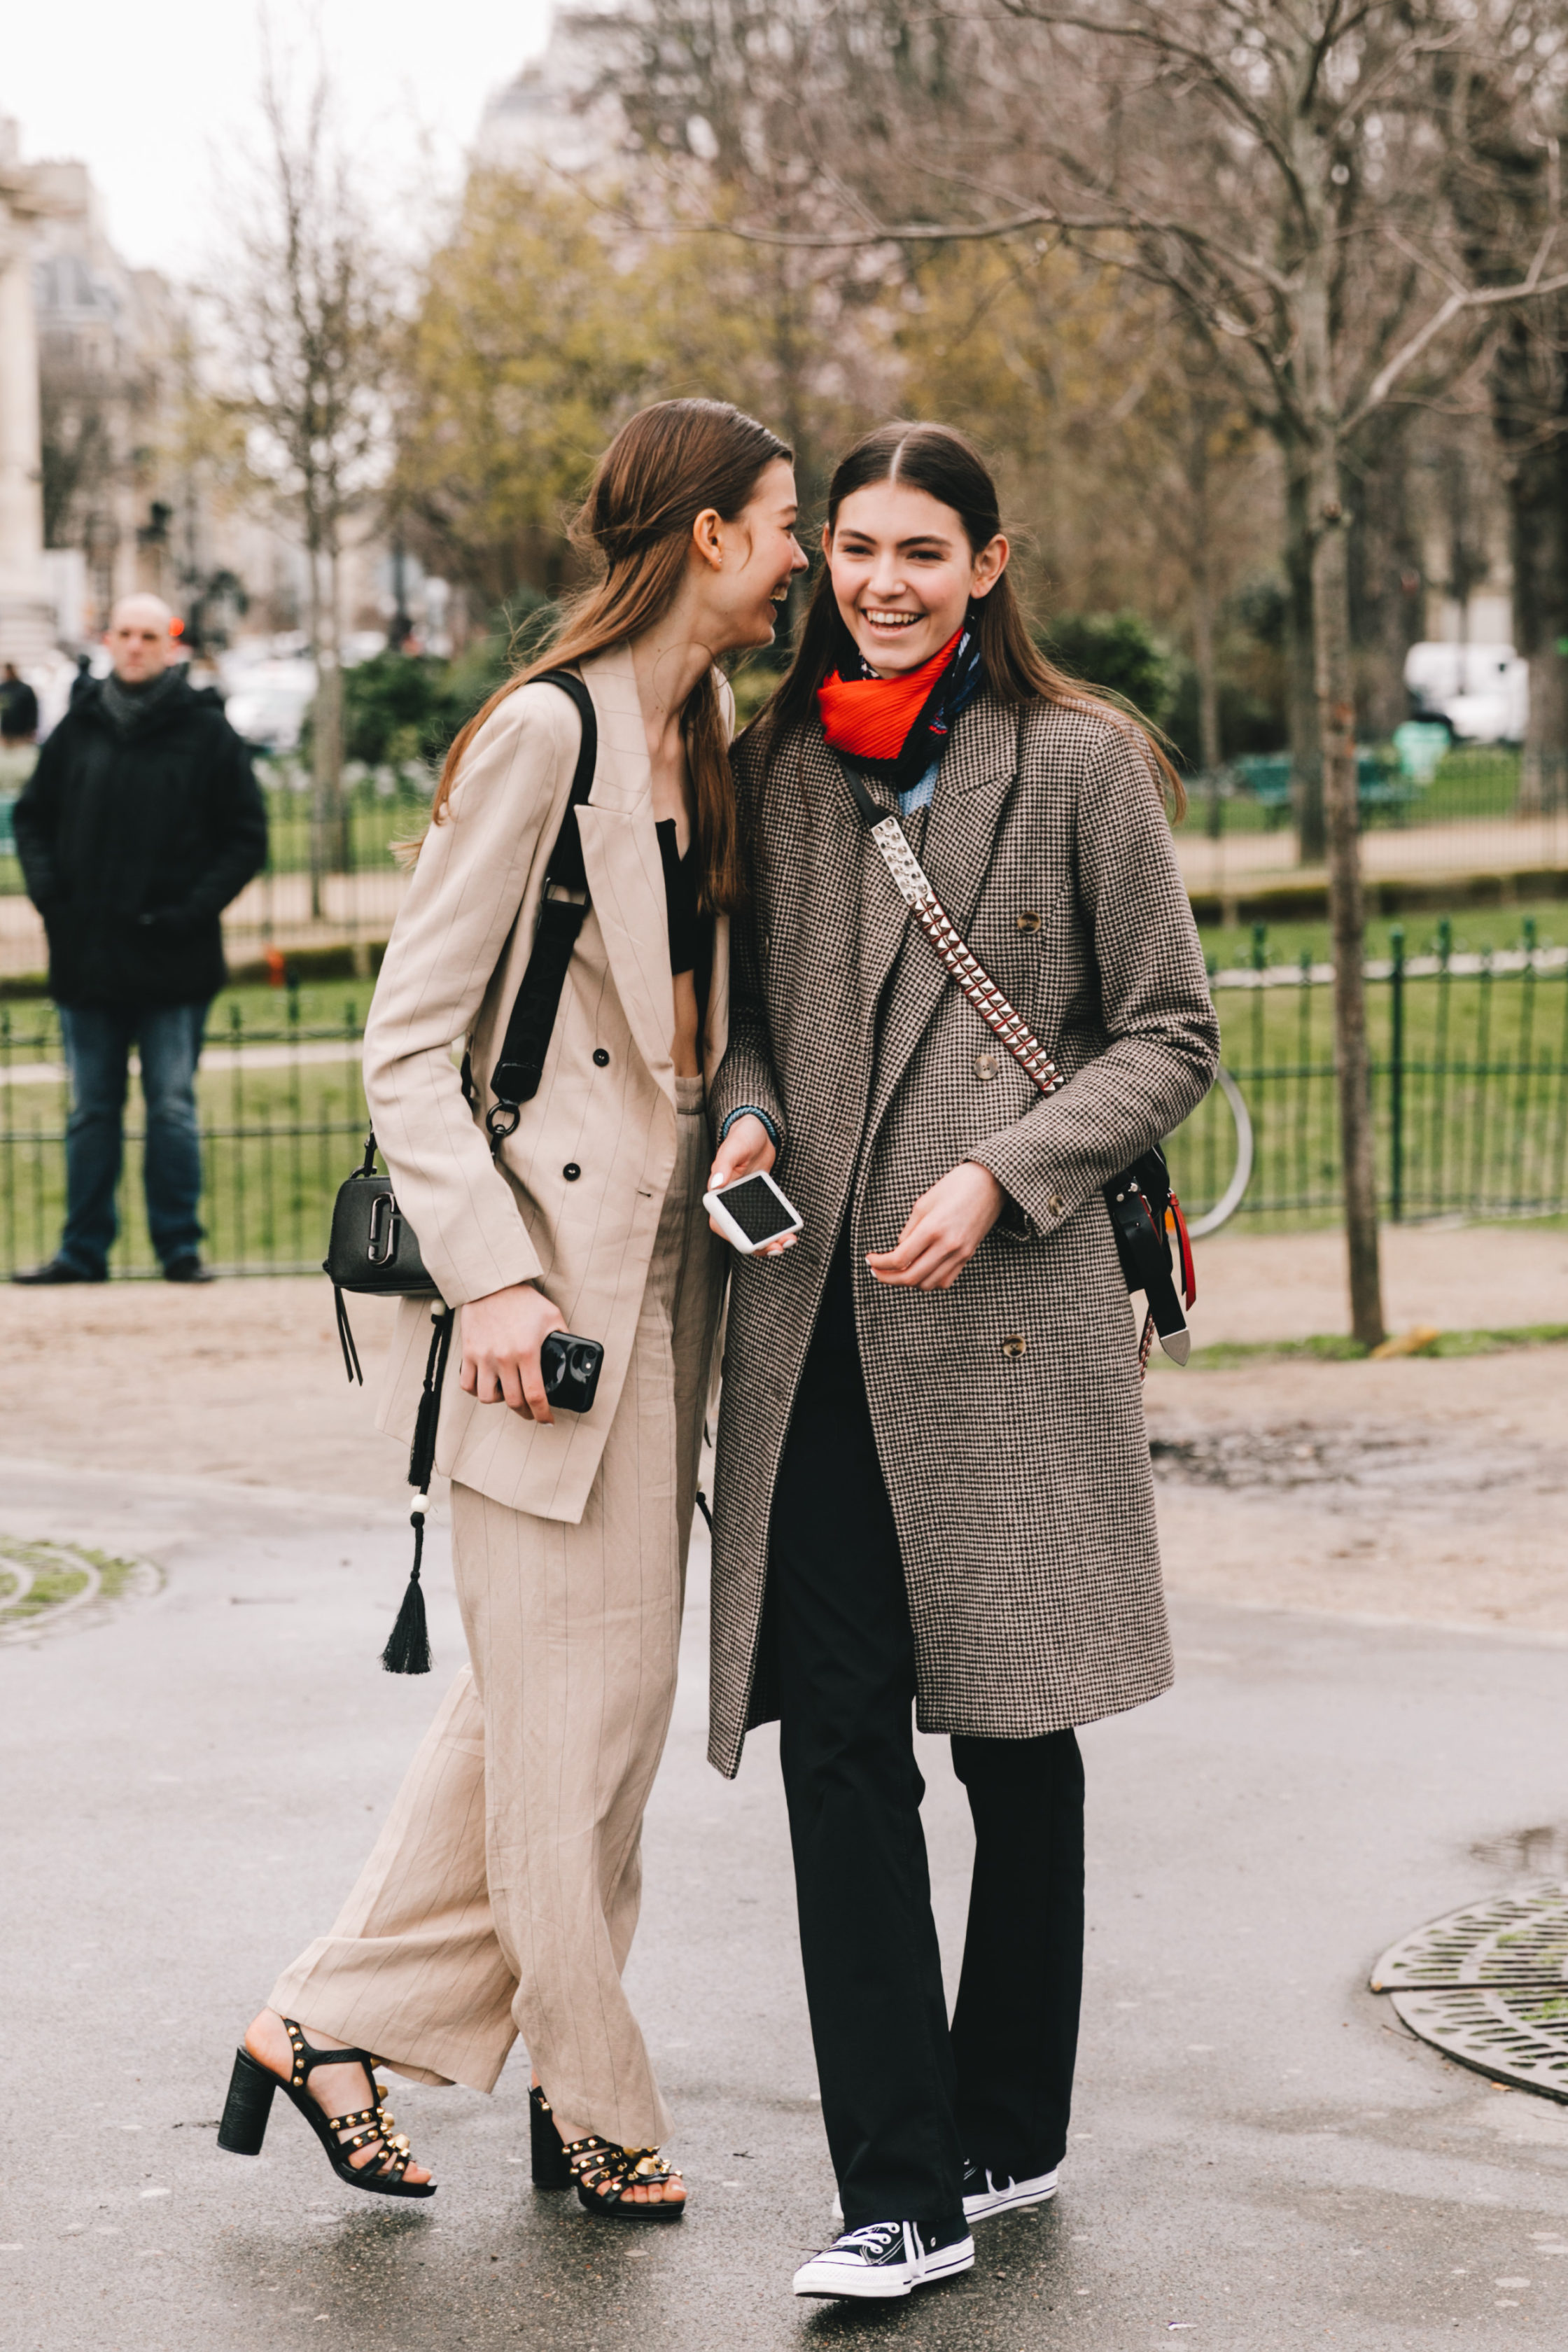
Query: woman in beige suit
(501, 1896)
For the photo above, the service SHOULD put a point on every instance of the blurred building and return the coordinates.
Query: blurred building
(107, 483)
(110, 344)
(27, 612)
(549, 114)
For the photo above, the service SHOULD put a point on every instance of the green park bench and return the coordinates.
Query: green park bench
(1384, 787)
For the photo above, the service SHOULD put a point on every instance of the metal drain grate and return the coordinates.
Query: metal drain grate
(1488, 1986)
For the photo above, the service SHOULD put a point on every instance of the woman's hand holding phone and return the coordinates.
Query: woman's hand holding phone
(746, 1150)
(503, 1335)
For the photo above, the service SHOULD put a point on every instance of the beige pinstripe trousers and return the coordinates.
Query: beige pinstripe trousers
(501, 1896)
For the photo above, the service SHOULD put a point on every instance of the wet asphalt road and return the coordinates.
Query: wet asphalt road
(1262, 2158)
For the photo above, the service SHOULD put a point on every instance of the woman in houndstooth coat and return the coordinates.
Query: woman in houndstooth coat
(933, 1480)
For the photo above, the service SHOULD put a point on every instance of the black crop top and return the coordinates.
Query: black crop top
(686, 928)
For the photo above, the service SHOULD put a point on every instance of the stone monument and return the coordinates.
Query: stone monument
(26, 610)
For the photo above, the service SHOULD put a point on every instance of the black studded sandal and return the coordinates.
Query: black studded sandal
(605, 2173)
(250, 2102)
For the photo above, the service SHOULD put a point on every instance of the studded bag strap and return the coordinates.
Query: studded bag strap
(913, 885)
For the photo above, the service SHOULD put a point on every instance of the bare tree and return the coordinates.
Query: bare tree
(1285, 172)
(304, 309)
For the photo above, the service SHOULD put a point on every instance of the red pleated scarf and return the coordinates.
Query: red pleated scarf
(870, 718)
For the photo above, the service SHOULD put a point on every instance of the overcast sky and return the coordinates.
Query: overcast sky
(151, 99)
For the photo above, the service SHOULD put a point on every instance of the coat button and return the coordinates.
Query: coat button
(571, 1172)
(986, 1065)
(1028, 921)
(1055, 1205)
(601, 1059)
(1013, 1344)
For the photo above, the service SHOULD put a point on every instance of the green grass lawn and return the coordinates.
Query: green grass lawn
(1471, 931)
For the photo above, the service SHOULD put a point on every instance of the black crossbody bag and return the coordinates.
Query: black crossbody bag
(1145, 1213)
(374, 1250)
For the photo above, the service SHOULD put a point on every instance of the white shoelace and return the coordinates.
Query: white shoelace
(876, 2236)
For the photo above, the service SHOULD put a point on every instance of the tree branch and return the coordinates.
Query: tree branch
(1461, 299)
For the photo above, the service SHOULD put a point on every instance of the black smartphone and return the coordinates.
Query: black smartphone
(571, 1367)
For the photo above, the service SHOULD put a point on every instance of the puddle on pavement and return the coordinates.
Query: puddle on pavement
(1415, 1466)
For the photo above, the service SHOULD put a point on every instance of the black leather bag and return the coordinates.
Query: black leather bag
(373, 1250)
(1145, 1217)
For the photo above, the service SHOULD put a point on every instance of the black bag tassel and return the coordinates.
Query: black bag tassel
(702, 1506)
(407, 1650)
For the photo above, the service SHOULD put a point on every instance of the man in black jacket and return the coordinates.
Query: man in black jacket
(18, 707)
(139, 823)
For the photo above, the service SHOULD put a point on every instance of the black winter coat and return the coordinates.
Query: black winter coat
(131, 847)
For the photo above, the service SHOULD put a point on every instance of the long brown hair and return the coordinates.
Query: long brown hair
(949, 468)
(665, 465)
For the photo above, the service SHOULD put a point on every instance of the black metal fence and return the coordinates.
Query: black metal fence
(282, 1117)
(1470, 1082)
(1469, 1086)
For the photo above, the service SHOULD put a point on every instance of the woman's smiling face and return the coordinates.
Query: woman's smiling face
(903, 573)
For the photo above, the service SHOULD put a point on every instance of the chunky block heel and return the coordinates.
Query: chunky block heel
(246, 2107)
(250, 2089)
(552, 2164)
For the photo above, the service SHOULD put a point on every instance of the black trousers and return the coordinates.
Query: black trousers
(906, 2098)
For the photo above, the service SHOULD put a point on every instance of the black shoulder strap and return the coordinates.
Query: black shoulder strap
(520, 1065)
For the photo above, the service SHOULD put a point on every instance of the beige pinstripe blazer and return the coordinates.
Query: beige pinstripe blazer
(456, 954)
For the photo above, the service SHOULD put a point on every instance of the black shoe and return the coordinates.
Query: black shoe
(606, 2175)
(252, 2084)
(59, 1269)
(888, 2258)
(552, 2164)
(986, 2194)
(188, 1269)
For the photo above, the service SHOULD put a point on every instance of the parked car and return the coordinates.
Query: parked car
(267, 703)
(1480, 693)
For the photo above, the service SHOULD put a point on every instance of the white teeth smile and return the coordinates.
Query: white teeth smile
(891, 620)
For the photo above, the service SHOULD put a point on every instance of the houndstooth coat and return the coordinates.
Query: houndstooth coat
(1007, 1410)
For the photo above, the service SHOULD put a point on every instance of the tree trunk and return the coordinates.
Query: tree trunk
(1202, 615)
(1306, 748)
(1336, 709)
(1385, 576)
(329, 843)
(317, 835)
(1538, 519)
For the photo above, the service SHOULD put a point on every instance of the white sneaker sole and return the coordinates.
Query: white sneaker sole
(1017, 2194)
(883, 2284)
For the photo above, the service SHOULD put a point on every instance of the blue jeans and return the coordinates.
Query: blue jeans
(97, 1042)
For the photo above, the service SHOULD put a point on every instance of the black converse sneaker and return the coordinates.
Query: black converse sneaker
(984, 2194)
(887, 2257)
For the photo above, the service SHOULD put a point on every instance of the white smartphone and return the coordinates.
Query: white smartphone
(752, 1212)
